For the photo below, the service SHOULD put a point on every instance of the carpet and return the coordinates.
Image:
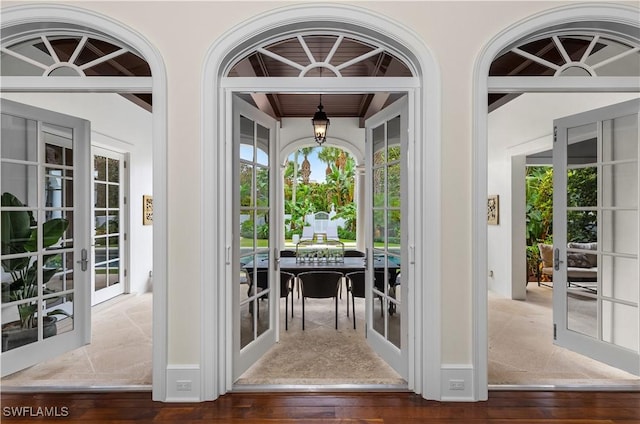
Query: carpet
(322, 355)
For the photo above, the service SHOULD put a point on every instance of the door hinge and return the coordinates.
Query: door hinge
(125, 272)
(125, 236)
(124, 164)
(555, 134)
(555, 332)
(124, 199)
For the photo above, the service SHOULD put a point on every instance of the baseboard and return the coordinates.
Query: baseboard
(183, 383)
(457, 383)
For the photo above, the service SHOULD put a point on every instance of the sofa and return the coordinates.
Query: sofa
(582, 267)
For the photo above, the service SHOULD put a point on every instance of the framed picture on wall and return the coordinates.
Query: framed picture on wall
(147, 210)
(493, 209)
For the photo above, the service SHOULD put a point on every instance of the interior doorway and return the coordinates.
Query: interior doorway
(387, 311)
(32, 54)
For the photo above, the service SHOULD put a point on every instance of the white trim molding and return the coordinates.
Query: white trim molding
(606, 17)
(37, 17)
(424, 129)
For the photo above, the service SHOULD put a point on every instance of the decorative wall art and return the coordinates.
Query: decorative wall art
(147, 210)
(493, 210)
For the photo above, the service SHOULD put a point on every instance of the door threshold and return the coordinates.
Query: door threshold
(566, 387)
(83, 389)
(315, 388)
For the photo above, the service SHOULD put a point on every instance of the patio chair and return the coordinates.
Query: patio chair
(320, 285)
(307, 233)
(332, 232)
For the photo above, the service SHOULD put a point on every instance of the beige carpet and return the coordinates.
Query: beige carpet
(119, 353)
(521, 349)
(320, 354)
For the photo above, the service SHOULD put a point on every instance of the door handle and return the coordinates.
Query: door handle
(556, 259)
(84, 259)
(276, 255)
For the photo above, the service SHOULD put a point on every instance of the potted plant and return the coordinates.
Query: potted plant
(20, 236)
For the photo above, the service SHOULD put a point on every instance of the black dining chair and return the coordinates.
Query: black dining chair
(320, 285)
(286, 287)
(258, 280)
(355, 286)
(261, 281)
(351, 253)
(291, 254)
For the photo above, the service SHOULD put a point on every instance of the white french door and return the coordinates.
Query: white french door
(386, 234)
(595, 224)
(109, 224)
(255, 235)
(45, 237)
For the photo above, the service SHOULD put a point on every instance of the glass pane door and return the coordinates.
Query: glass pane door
(254, 293)
(44, 312)
(386, 302)
(596, 286)
(109, 223)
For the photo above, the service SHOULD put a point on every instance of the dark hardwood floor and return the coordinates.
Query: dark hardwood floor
(507, 407)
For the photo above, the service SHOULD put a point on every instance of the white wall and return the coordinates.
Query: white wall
(119, 125)
(521, 127)
(455, 33)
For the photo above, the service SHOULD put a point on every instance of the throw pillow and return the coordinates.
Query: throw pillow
(578, 260)
(593, 259)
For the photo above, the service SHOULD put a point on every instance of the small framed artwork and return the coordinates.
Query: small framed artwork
(147, 210)
(493, 209)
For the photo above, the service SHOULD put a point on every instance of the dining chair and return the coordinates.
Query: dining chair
(260, 281)
(320, 285)
(286, 288)
(352, 253)
(355, 286)
(291, 254)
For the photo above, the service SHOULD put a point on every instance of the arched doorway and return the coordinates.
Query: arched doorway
(617, 21)
(18, 24)
(423, 368)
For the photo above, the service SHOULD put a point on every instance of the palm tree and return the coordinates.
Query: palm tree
(330, 155)
(306, 167)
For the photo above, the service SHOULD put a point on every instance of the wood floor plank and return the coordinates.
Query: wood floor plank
(517, 407)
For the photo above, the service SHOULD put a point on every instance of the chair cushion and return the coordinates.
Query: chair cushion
(546, 254)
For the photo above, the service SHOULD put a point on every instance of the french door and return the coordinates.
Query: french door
(45, 221)
(255, 291)
(386, 295)
(595, 225)
(109, 223)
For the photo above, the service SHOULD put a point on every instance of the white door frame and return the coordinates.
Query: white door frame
(38, 16)
(424, 134)
(614, 15)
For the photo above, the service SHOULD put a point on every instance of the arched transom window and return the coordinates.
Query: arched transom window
(320, 55)
(70, 54)
(570, 54)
